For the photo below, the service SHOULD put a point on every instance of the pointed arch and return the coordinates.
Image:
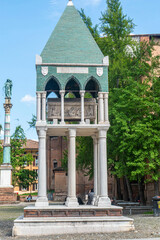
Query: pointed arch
(73, 85)
(92, 86)
(52, 85)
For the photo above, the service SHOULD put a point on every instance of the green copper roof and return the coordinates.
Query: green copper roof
(71, 42)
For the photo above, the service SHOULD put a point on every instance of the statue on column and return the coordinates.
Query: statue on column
(8, 88)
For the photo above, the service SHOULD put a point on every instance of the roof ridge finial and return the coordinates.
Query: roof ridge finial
(70, 3)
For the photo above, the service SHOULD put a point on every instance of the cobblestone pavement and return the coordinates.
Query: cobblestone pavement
(146, 226)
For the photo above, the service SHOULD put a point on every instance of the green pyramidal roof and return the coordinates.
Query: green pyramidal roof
(71, 41)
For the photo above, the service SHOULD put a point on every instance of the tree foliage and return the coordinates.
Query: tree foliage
(19, 160)
(32, 123)
(133, 138)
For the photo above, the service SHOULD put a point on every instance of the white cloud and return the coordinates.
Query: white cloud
(28, 98)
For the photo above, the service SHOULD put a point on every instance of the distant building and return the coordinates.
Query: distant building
(30, 147)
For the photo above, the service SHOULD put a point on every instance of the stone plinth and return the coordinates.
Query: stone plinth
(5, 176)
(63, 220)
(7, 195)
(62, 211)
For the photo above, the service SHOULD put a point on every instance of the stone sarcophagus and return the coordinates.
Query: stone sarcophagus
(72, 109)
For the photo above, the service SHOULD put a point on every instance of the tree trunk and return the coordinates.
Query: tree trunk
(119, 194)
(141, 192)
(125, 190)
(156, 188)
(129, 189)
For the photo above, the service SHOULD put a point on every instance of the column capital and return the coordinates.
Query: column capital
(94, 137)
(62, 92)
(102, 133)
(72, 132)
(106, 95)
(44, 94)
(38, 94)
(100, 95)
(7, 107)
(41, 132)
(82, 92)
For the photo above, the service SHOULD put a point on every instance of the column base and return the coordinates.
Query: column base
(101, 122)
(103, 202)
(82, 122)
(62, 123)
(71, 202)
(42, 202)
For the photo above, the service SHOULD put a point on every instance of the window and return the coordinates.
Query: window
(36, 161)
(55, 163)
(37, 173)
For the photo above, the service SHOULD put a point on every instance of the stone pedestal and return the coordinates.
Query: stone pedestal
(64, 220)
(6, 189)
(5, 176)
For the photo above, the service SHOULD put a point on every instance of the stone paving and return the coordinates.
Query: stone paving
(146, 226)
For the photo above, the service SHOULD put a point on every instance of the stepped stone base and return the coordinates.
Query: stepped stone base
(7, 195)
(64, 220)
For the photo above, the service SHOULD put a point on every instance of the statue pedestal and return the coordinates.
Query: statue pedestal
(6, 189)
(5, 176)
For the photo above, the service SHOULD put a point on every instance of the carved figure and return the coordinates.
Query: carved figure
(8, 88)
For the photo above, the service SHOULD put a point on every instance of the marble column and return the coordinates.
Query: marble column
(5, 168)
(62, 92)
(82, 93)
(100, 108)
(38, 106)
(95, 143)
(71, 198)
(44, 106)
(106, 107)
(42, 199)
(103, 200)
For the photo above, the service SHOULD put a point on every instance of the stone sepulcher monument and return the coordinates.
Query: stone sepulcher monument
(71, 62)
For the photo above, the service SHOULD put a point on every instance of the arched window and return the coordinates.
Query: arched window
(73, 86)
(52, 88)
(92, 87)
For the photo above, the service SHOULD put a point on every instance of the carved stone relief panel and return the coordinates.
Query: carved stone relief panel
(72, 109)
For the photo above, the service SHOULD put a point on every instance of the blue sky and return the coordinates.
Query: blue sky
(25, 27)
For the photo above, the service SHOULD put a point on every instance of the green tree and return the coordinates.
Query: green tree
(32, 123)
(133, 104)
(93, 29)
(134, 116)
(116, 28)
(19, 160)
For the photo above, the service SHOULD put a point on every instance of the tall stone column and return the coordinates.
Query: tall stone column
(82, 92)
(38, 106)
(103, 200)
(44, 106)
(42, 199)
(62, 92)
(95, 143)
(71, 198)
(106, 107)
(5, 168)
(100, 108)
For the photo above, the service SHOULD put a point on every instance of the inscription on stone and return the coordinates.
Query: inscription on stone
(83, 70)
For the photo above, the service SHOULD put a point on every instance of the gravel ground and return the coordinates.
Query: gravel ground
(146, 226)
